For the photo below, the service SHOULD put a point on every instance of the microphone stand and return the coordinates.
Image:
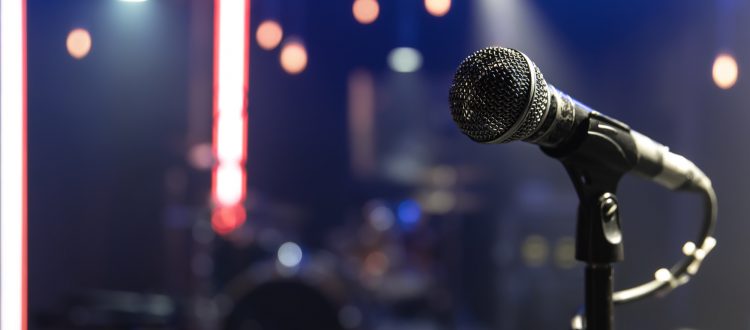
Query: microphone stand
(602, 152)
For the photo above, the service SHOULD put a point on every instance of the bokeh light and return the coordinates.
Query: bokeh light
(725, 71)
(405, 59)
(365, 11)
(289, 254)
(293, 57)
(565, 252)
(201, 156)
(226, 219)
(437, 8)
(376, 263)
(440, 202)
(78, 43)
(269, 34)
(409, 212)
(534, 251)
(380, 217)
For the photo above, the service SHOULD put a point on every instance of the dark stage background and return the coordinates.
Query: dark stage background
(393, 219)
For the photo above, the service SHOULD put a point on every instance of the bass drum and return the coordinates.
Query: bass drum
(270, 297)
(283, 305)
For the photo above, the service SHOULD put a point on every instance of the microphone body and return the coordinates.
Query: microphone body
(499, 95)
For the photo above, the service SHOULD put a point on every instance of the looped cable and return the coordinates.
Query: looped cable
(666, 280)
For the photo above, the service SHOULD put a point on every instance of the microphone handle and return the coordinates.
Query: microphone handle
(566, 125)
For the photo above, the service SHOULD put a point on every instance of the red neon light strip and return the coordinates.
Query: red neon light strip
(25, 190)
(13, 177)
(231, 58)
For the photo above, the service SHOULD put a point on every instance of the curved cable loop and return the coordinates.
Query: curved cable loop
(666, 280)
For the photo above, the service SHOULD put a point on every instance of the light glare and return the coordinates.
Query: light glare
(405, 59)
(725, 71)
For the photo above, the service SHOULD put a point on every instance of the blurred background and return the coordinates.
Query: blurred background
(337, 193)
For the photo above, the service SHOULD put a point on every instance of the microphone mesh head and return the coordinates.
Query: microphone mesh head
(491, 97)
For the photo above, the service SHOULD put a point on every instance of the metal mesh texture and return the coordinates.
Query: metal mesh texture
(490, 94)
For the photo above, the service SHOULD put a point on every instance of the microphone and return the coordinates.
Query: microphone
(499, 95)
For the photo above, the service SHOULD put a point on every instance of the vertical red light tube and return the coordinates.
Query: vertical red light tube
(231, 60)
(13, 169)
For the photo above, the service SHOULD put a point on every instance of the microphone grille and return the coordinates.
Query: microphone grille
(491, 96)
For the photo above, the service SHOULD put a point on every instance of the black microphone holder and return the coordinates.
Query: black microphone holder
(596, 159)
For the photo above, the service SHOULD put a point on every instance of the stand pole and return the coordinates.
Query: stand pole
(599, 307)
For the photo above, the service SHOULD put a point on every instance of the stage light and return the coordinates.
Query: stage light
(13, 170)
(78, 43)
(269, 34)
(365, 11)
(133, 0)
(289, 254)
(725, 71)
(293, 57)
(437, 8)
(405, 59)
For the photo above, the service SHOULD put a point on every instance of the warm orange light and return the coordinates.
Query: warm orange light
(365, 11)
(269, 34)
(725, 71)
(293, 57)
(78, 43)
(437, 7)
